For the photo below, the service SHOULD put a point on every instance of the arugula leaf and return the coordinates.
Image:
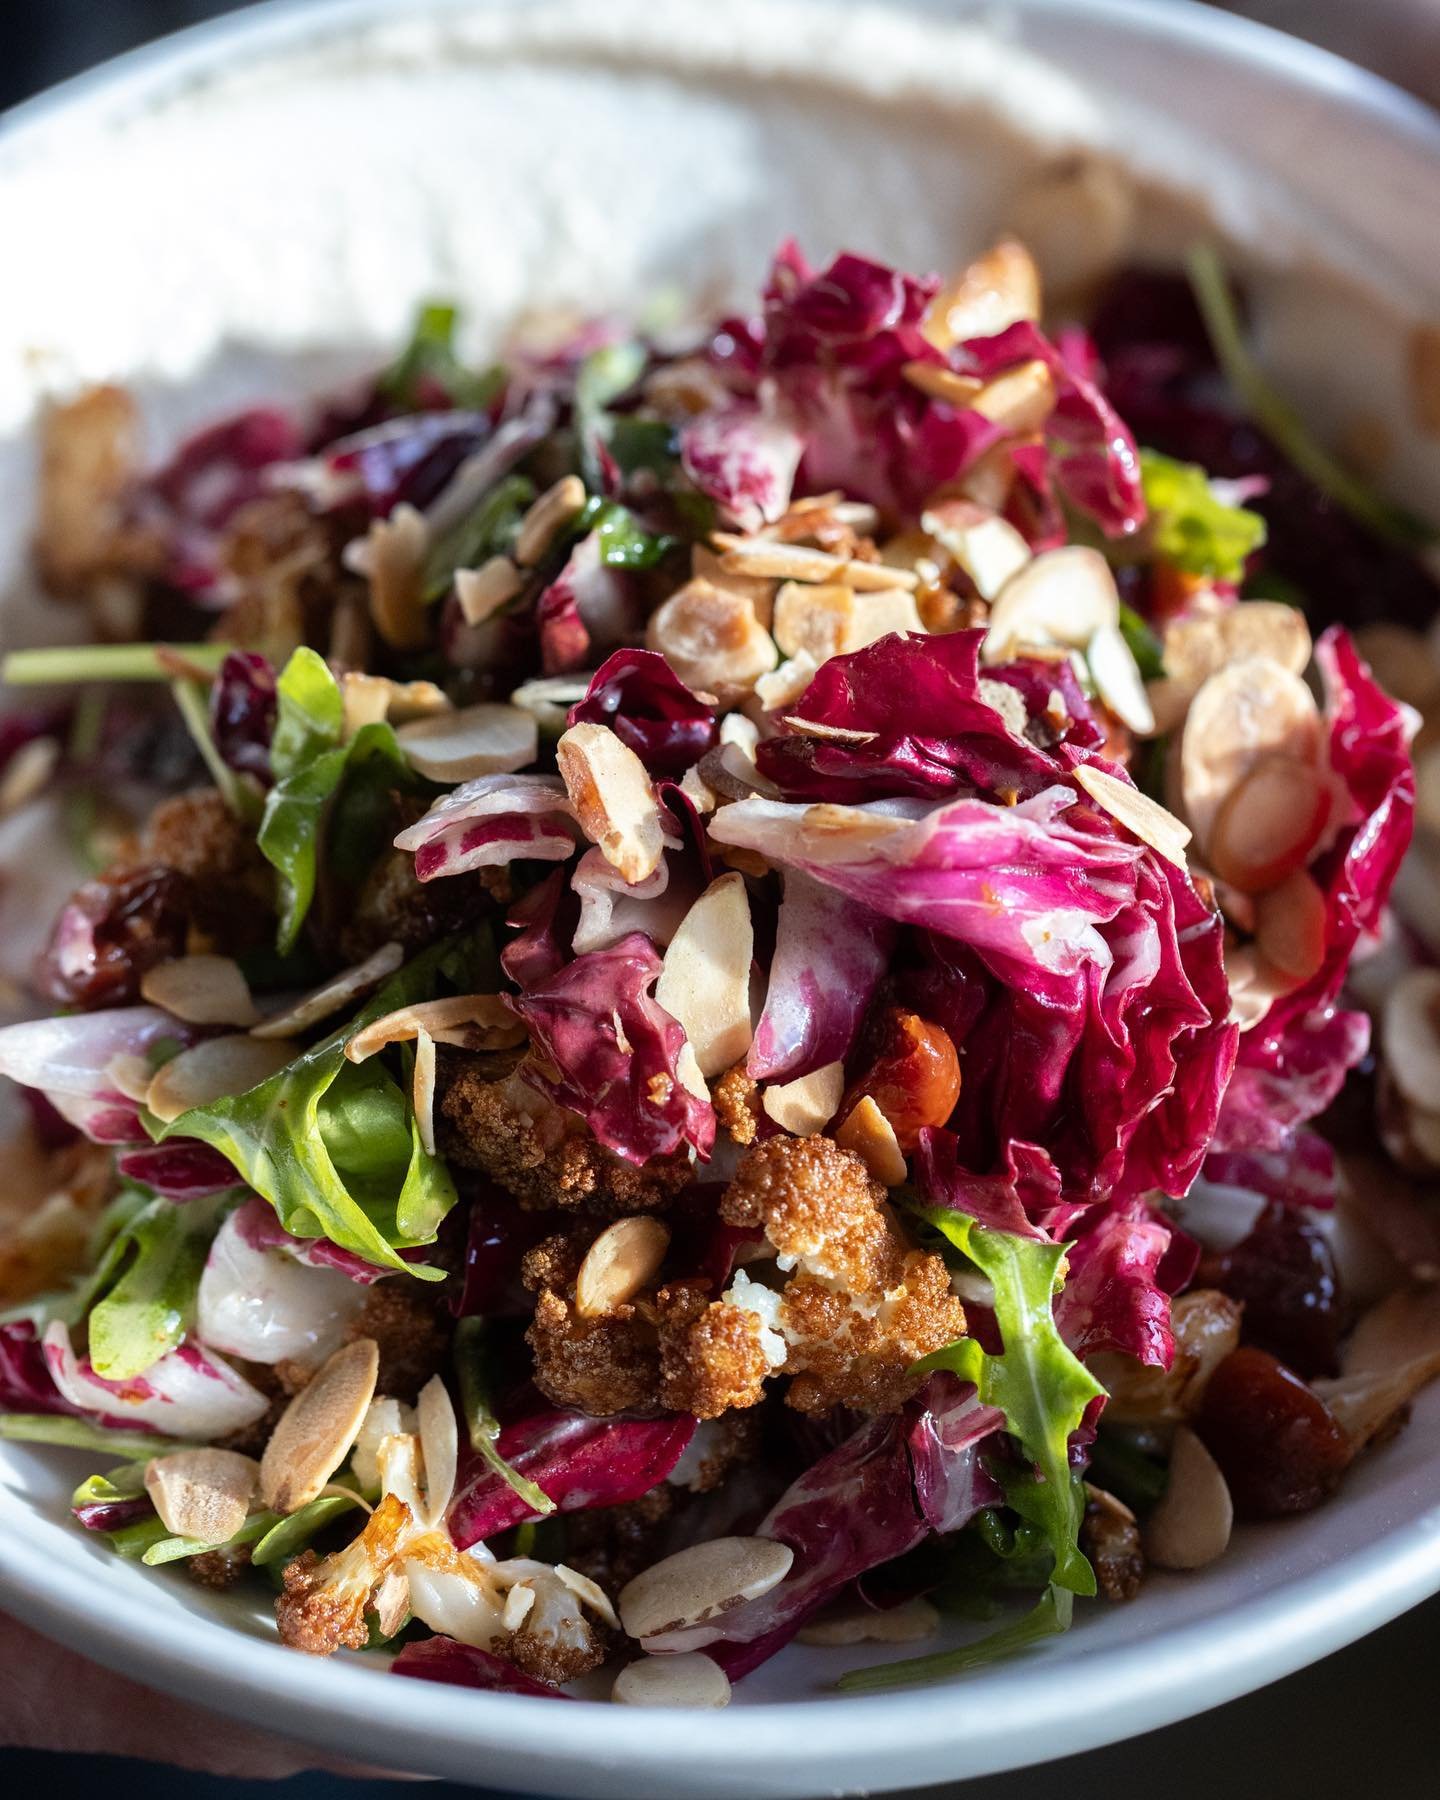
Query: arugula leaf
(1122, 1468)
(313, 768)
(321, 1139)
(624, 544)
(477, 1410)
(157, 1261)
(1191, 527)
(283, 1535)
(489, 530)
(430, 358)
(1279, 420)
(82, 1434)
(1142, 644)
(602, 377)
(1050, 1616)
(1036, 1381)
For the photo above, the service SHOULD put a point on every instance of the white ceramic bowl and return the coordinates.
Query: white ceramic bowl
(260, 201)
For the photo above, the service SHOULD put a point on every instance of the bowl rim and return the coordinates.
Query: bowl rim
(1015, 1718)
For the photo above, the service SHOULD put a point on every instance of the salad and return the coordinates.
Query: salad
(735, 983)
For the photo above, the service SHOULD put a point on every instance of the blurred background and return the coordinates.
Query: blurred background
(1361, 1719)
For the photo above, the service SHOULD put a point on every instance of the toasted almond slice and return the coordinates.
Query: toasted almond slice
(482, 592)
(807, 1104)
(556, 508)
(995, 291)
(1290, 927)
(202, 1494)
(1249, 710)
(689, 1679)
(214, 1070)
(1059, 597)
(624, 1259)
(422, 1089)
(318, 1427)
(518, 1604)
(1199, 645)
(942, 383)
(130, 1076)
(395, 562)
(589, 1592)
(373, 699)
(28, 772)
(698, 791)
(439, 1448)
(202, 990)
(1191, 1525)
(705, 563)
(1266, 628)
(1254, 985)
(1404, 1328)
(1150, 822)
(550, 699)
(712, 638)
(391, 1602)
(852, 1622)
(488, 739)
(1410, 1037)
(879, 612)
(988, 548)
(700, 1582)
(468, 1021)
(1020, 400)
(795, 562)
(783, 686)
(1117, 680)
(613, 799)
(327, 999)
(828, 734)
(1269, 824)
(813, 619)
(871, 1136)
(705, 980)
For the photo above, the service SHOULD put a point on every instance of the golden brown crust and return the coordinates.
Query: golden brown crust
(391, 906)
(322, 1606)
(555, 1261)
(602, 1366)
(405, 1321)
(818, 1204)
(711, 1355)
(546, 1660)
(737, 1104)
(218, 1569)
(231, 887)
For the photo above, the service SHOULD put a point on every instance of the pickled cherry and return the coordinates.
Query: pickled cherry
(912, 1074)
(1279, 1447)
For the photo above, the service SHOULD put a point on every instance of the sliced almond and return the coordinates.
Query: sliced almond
(202, 990)
(375, 699)
(1201, 644)
(712, 639)
(589, 1592)
(1020, 400)
(422, 1089)
(439, 1448)
(878, 613)
(1191, 1525)
(1249, 710)
(988, 548)
(705, 563)
(783, 686)
(468, 1021)
(698, 791)
(807, 1104)
(557, 508)
(395, 553)
(871, 1136)
(1137, 812)
(482, 592)
(852, 1622)
(613, 799)
(550, 698)
(518, 1604)
(318, 1427)
(1117, 680)
(1060, 597)
(701, 1582)
(995, 291)
(214, 1070)
(202, 1494)
(28, 773)
(794, 562)
(488, 739)
(1404, 1328)
(1410, 1037)
(623, 1260)
(326, 1000)
(1266, 828)
(813, 619)
(689, 1679)
(705, 980)
(129, 1075)
(1290, 927)
(942, 383)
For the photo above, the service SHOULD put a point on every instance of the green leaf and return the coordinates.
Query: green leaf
(240, 794)
(472, 1369)
(334, 1147)
(1049, 1617)
(624, 544)
(1122, 1468)
(127, 1482)
(1190, 526)
(110, 662)
(1279, 420)
(488, 530)
(430, 357)
(148, 1309)
(602, 377)
(1036, 1381)
(645, 444)
(285, 1536)
(310, 713)
(80, 1434)
(1142, 643)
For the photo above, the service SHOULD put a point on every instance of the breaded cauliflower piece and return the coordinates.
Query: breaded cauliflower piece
(404, 1317)
(603, 1365)
(541, 1154)
(322, 1608)
(736, 1098)
(820, 1208)
(712, 1353)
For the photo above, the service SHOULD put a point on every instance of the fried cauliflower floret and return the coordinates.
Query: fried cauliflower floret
(557, 1642)
(541, 1154)
(555, 1261)
(612, 1544)
(231, 887)
(405, 1321)
(322, 1608)
(604, 1365)
(820, 1208)
(712, 1353)
(736, 1099)
(218, 1569)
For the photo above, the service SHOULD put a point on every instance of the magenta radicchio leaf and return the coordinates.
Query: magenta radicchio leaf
(872, 1499)
(188, 1393)
(112, 1515)
(829, 956)
(410, 459)
(1113, 1298)
(258, 1225)
(544, 920)
(493, 820)
(616, 1049)
(182, 1169)
(1301, 1173)
(111, 932)
(1022, 1198)
(645, 703)
(462, 1665)
(242, 713)
(209, 478)
(1294, 1063)
(69, 1059)
(578, 1461)
(25, 1382)
(744, 459)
